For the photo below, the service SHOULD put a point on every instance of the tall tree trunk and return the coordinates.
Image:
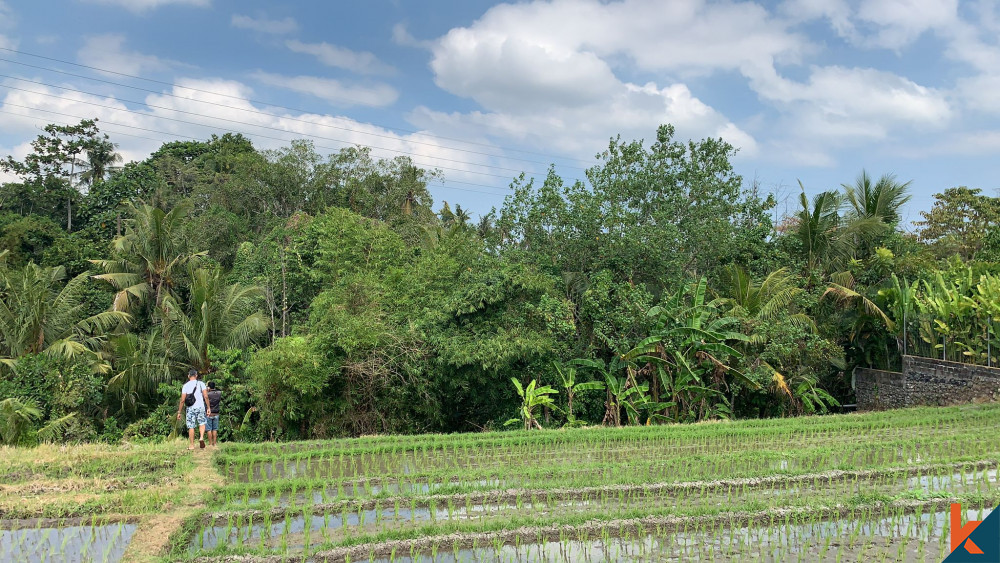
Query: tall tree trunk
(284, 295)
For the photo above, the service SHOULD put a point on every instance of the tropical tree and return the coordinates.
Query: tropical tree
(150, 258)
(817, 227)
(40, 313)
(139, 364)
(216, 314)
(881, 200)
(532, 397)
(830, 238)
(869, 323)
(567, 375)
(689, 354)
(100, 161)
(17, 416)
(760, 302)
(962, 220)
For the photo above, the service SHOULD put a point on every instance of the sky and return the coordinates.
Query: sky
(809, 91)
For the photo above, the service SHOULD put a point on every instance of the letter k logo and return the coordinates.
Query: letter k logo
(960, 533)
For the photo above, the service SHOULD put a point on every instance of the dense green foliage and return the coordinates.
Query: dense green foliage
(327, 297)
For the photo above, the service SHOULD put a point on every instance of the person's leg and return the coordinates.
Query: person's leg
(201, 440)
(211, 437)
(191, 418)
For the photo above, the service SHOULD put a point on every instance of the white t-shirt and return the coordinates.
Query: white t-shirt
(195, 388)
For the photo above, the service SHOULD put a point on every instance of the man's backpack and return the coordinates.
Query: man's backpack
(191, 398)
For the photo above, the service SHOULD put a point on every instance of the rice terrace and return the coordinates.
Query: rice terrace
(802, 489)
(567, 281)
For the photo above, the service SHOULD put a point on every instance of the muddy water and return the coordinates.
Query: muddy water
(933, 480)
(71, 544)
(907, 538)
(410, 463)
(337, 523)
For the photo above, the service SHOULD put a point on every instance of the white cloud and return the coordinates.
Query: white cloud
(265, 25)
(401, 36)
(838, 12)
(655, 35)
(856, 98)
(551, 73)
(632, 110)
(361, 62)
(143, 6)
(980, 92)
(215, 101)
(106, 52)
(333, 91)
(7, 42)
(900, 22)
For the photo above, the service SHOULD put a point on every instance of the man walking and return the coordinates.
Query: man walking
(195, 398)
(214, 402)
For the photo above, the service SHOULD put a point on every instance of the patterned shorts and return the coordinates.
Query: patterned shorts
(195, 417)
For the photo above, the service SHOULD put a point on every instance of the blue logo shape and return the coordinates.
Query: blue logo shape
(986, 537)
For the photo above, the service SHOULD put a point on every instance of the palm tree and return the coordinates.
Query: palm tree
(101, 160)
(817, 226)
(139, 363)
(217, 314)
(42, 314)
(16, 417)
(762, 302)
(881, 200)
(867, 318)
(149, 258)
(462, 217)
(828, 238)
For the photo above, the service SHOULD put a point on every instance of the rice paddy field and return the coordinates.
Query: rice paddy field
(872, 487)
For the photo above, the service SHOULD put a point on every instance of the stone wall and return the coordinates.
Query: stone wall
(925, 381)
(877, 389)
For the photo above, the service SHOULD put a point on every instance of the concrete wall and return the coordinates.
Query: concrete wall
(925, 381)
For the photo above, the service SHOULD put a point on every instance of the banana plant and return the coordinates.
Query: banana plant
(624, 392)
(690, 353)
(567, 374)
(900, 300)
(532, 397)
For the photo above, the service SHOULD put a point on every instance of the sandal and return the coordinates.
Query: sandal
(202, 442)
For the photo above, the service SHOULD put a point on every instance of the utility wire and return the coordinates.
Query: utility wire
(258, 112)
(162, 82)
(300, 135)
(441, 185)
(47, 121)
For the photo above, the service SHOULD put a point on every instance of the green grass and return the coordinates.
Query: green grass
(870, 469)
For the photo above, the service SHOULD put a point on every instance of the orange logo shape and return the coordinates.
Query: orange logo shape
(960, 533)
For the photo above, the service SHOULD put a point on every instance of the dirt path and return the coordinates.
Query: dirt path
(151, 539)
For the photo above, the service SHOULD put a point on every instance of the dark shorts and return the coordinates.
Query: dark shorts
(212, 423)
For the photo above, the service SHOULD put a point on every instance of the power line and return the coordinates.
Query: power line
(244, 123)
(440, 185)
(258, 112)
(21, 115)
(162, 82)
(112, 108)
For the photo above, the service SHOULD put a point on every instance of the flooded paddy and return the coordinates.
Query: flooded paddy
(81, 542)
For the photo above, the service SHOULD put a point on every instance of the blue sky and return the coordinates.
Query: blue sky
(810, 90)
